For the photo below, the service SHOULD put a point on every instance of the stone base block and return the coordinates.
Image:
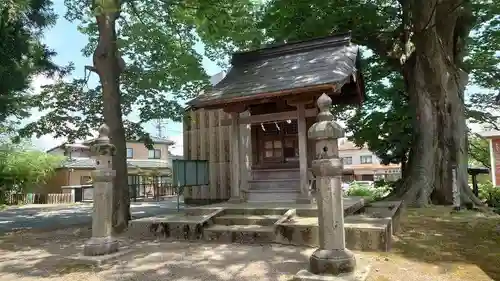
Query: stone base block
(332, 262)
(360, 273)
(144, 228)
(98, 260)
(98, 246)
(236, 234)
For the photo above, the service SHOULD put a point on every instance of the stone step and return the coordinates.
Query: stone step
(361, 233)
(265, 220)
(256, 211)
(166, 225)
(263, 174)
(269, 174)
(351, 207)
(244, 234)
(288, 183)
(278, 195)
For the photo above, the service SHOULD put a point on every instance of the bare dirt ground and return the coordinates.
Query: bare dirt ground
(433, 245)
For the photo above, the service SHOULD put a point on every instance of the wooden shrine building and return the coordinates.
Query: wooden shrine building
(252, 126)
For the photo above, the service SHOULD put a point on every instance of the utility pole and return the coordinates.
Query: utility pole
(161, 127)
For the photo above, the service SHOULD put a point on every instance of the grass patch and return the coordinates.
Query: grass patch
(440, 237)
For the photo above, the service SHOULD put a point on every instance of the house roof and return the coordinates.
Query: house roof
(85, 143)
(326, 61)
(345, 144)
(156, 140)
(88, 163)
(490, 134)
(372, 166)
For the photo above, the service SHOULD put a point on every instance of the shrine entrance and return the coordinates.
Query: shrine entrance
(278, 145)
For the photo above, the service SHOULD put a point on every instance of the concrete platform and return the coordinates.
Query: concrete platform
(368, 228)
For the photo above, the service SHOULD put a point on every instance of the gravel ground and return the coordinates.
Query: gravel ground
(41, 256)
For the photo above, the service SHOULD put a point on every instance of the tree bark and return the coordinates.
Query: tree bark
(109, 65)
(435, 85)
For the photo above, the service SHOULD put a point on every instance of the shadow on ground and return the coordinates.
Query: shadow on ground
(438, 236)
(433, 245)
(151, 260)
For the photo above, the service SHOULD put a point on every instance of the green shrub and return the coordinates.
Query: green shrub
(373, 193)
(21, 168)
(359, 190)
(490, 195)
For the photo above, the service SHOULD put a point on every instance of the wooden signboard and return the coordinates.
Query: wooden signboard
(496, 154)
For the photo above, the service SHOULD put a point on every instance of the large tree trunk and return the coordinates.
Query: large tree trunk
(436, 85)
(109, 66)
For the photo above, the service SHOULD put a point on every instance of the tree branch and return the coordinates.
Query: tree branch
(91, 68)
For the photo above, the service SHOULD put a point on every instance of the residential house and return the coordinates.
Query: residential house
(364, 165)
(77, 168)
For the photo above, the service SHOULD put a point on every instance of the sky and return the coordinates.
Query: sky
(65, 39)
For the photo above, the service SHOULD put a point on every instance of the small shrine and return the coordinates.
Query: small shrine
(252, 125)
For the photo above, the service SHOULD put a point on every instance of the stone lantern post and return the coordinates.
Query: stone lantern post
(102, 242)
(332, 260)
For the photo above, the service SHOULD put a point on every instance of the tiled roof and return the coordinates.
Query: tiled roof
(148, 163)
(88, 163)
(345, 144)
(321, 61)
(155, 140)
(372, 166)
(85, 143)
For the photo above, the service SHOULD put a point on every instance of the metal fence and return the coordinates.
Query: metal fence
(156, 187)
(140, 188)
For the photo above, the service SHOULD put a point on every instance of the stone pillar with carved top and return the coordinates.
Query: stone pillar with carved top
(332, 260)
(102, 241)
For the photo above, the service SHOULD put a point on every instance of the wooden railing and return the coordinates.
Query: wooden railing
(59, 198)
(35, 198)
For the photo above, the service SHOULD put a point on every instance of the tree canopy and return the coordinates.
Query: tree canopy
(384, 122)
(22, 53)
(157, 40)
(164, 69)
(22, 167)
(415, 55)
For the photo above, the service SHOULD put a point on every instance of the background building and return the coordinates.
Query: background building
(76, 169)
(364, 164)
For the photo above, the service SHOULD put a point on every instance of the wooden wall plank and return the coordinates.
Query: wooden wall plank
(223, 158)
(203, 146)
(212, 151)
(194, 139)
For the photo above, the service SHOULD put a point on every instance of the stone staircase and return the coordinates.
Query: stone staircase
(245, 225)
(369, 227)
(274, 185)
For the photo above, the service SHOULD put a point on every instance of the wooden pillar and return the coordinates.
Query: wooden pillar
(302, 135)
(245, 152)
(235, 160)
(492, 163)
